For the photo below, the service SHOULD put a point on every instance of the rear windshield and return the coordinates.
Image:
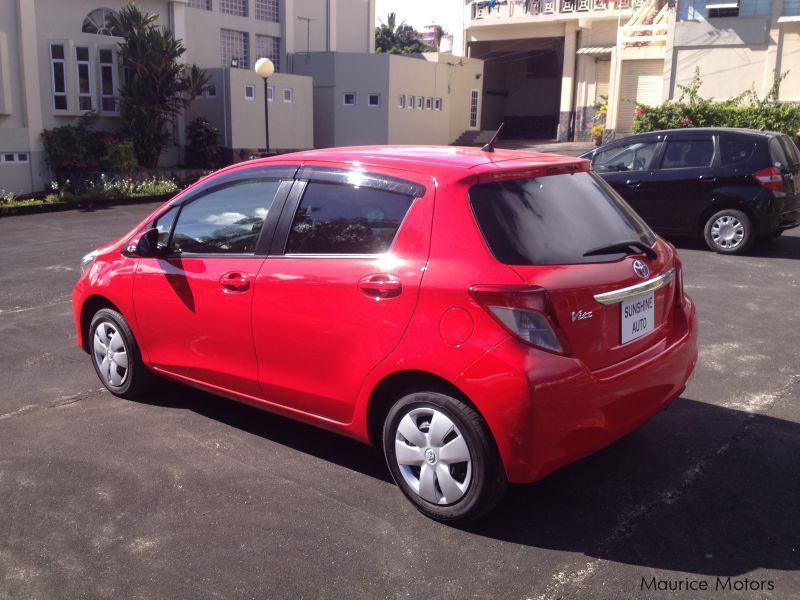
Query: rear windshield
(555, 220)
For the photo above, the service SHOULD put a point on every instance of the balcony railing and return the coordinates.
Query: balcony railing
(484, 10)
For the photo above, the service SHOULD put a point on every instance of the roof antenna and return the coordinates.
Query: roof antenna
(490, 146)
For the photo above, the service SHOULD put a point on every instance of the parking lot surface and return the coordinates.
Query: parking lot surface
(186, 495)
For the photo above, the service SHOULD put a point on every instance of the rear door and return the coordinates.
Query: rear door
(559, 232)
(340, 285)
(790, 169)
(684, 182)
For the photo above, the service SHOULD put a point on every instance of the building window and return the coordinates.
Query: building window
(437, 104)
(108, 81)
(210, 91)
(722, 8)
(203, 4)
(270, 93)
(288, 95)
(402, 102)
(373, 100)
(58, 71)
(411, 101)
(267, 10)
(84, 78)
(100, 22)
(269, 47)
(473, 108)
(249, 92)
(233, 7)
(349, 98)
(429, 103)
(234, 48)
(420, 102)
(12, 157)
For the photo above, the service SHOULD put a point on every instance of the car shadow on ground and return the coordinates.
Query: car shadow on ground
(786, 246)
(700, 489)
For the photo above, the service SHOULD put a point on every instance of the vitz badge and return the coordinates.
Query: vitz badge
(580, 315)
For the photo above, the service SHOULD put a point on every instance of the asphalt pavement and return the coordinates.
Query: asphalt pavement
(186, 495)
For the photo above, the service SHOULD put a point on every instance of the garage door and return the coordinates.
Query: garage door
(642, 81)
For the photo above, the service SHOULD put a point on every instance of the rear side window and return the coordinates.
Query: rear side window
(345, 219)
(226, 220)
(555, 219)
(790, 152)
(734, 150)
(688, 153)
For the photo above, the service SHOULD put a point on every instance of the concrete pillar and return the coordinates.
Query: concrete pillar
(31, 91)
(567, 79)
(669, 56)
(774, 48)
(178, 24)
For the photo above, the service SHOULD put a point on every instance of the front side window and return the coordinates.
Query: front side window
(681, 154)
(345, 219)
(557, 219)
(631, 157)
(224, 221)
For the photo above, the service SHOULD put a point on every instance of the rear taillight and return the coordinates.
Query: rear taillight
(770, 178)
(678, 284)
(525, 311)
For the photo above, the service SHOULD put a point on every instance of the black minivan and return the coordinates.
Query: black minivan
(730, 186)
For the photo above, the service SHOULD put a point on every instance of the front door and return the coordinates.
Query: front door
(339, 289)
(193, 304)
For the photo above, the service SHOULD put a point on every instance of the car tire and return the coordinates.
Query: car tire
(729, 231)
(115, 355)
(425, 437)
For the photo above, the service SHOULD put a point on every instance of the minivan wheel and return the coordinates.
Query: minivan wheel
(442, 456)
(115, 355)
(728, 232)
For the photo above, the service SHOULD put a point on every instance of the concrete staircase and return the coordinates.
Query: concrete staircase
(473, 137)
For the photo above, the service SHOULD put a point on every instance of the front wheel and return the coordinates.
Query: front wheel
(728, 231)
(442, 456)
(115, 355)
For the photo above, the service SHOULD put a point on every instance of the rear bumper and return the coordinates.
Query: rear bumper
(546, 411)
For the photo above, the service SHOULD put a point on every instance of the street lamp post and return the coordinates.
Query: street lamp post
(264, 68)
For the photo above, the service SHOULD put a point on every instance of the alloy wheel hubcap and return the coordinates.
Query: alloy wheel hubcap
(433, 456)
(110, 354)
(727, 232)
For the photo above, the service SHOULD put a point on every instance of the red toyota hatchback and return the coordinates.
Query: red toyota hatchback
(483, 317)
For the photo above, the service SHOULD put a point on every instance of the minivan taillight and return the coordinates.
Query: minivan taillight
(770, 178)
(525, 311)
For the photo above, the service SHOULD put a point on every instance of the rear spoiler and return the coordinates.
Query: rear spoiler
(530, 171)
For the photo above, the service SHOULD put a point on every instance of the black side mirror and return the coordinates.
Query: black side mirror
(144, 244)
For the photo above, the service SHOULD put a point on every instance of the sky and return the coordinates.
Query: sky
(419, 13)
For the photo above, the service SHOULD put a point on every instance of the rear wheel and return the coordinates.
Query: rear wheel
(115, 355)
(442, 456)
(729, 231)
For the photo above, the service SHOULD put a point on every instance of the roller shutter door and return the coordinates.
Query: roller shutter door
(642, 81)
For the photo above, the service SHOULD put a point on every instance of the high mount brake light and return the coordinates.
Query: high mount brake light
(531, 172)
(770, 178)
(525, 311)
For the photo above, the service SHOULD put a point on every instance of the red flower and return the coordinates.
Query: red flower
(108, 138)
(639, 111)
(686, 122)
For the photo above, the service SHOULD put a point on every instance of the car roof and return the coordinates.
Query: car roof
(422, 158)
(695, 130)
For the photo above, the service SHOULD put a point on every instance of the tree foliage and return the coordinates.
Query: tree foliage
(747, 110)
(157, 86)
(398, 39)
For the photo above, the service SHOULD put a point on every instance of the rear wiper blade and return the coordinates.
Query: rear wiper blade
(624, 246)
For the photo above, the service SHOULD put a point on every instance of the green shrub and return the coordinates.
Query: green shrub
(74, 147)
(745, 111)
(201, 147)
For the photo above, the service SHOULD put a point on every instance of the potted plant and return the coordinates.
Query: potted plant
(597, 134)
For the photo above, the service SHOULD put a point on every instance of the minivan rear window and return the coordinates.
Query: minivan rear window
(555, 219)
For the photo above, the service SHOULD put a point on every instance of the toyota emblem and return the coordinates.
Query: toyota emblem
(641, 269)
